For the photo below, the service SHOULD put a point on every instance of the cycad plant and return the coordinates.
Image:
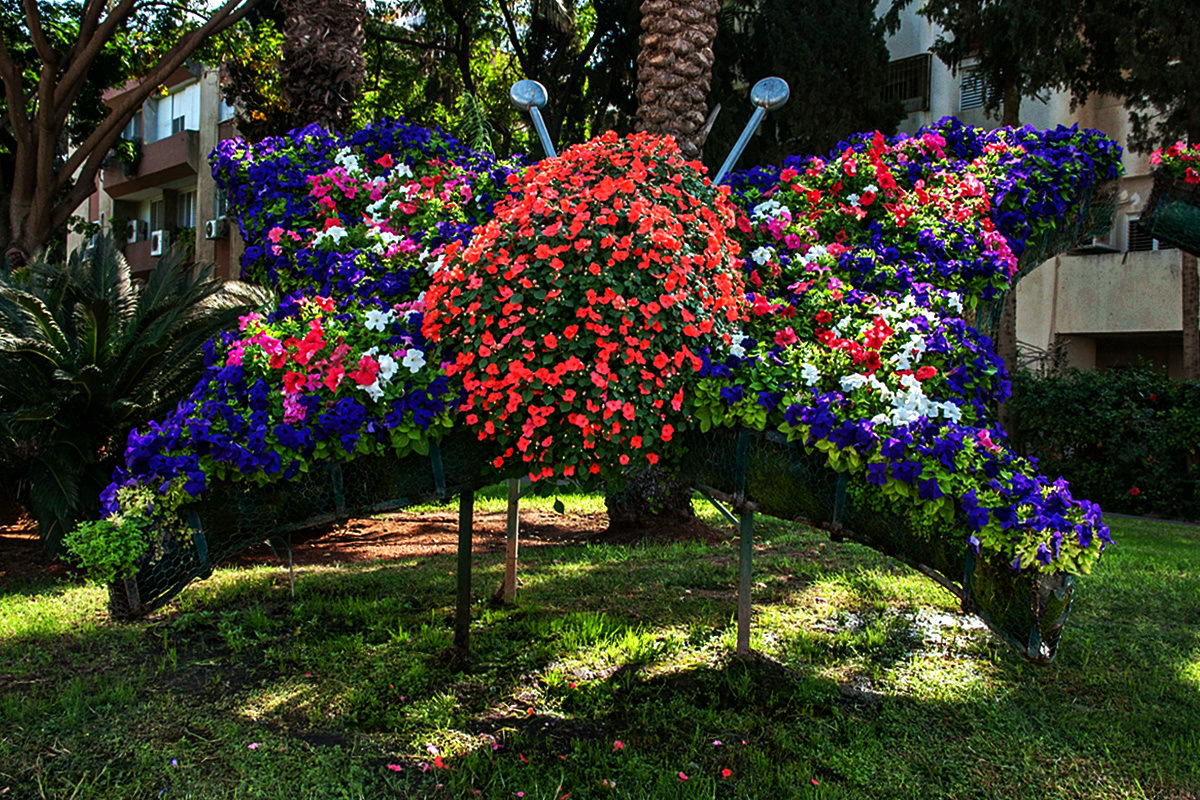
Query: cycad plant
(86, 354)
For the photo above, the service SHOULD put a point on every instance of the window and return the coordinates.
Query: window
(177, 125)
(1138, 239)
(973, 92)
(156, 215)
(133, 130)
(185, 210)
(908, 82)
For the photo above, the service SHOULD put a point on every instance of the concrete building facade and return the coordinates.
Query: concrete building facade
(167, 194)
(1110, 301)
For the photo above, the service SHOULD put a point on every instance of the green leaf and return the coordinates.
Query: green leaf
(558, 506)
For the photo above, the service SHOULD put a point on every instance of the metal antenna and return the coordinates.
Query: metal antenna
(530, 96)
(767, 95)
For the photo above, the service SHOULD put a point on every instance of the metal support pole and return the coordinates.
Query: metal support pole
(531, 96)
(747, 550)
(767, 95)
(462, 611)
(510, 552)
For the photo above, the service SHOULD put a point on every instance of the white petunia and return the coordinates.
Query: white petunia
(414, 359)
(853, 381)
(387, 368)
(762, 255)
(377, 320)
(374, 391)
(737, 350)
(810, 374)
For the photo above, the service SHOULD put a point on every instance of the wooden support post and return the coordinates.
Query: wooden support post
(510, 552)
(462, 611)
(747, 550)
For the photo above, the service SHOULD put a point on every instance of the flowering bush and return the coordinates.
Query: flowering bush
(577, 313)
(604, 310)
(1180, 161)
(353, 229)
(864, 268)
(355, 216)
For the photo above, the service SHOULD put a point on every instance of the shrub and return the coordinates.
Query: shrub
(1123, 438)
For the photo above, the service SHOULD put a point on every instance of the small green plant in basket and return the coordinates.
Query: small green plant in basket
(110, 549)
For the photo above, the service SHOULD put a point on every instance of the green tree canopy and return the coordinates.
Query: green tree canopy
(832, 54)
(56, 58)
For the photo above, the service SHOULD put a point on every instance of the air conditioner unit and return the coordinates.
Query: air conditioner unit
(216, 228)
(137, 230)
(158, 242)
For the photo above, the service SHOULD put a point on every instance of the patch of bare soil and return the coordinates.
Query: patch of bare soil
(389, 537)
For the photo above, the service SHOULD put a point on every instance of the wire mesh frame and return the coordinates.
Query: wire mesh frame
(1172, 212)
(235, 516)
(769, 474)
(1097, 212)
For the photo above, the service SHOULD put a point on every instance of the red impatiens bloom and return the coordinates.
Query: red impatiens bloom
(578, 313)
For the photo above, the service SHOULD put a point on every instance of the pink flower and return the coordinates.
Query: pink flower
(785, 337)
(618, 745)
(395, 767)
(253, 746)
(682, 777)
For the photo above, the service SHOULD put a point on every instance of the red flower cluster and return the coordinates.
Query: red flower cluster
(577, 313)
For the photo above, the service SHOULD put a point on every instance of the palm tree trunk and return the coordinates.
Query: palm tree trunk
(675, 69)
(323, 64)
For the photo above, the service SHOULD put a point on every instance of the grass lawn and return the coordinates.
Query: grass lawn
(612, 678)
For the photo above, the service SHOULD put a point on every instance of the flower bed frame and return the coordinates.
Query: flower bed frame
(1173, 212)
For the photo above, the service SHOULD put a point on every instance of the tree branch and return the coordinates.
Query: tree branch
(87, 25)
(82, 57)
(33, 17)
(14, 96)
(107, 131)
(390, 33)
(511, 29)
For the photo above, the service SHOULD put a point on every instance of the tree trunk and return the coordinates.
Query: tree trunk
(1191, 317)
(323, 64)
(651, 498)
(675, 69)
(1011, 112)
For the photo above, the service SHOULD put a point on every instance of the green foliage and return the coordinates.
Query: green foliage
(833, 56)
(1126, 439)
(1018, 48)
(86, 354)
(111, 548)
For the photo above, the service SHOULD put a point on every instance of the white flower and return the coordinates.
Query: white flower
(951, 412)
(378, 320)
(956, 302)
(387, 368)
(880, 419)
(870, 187)
(737, 350)
(402, 171)
(762, 255)
(852, 382)
(414, 359)
(767, 210)
(810, 374)
(852, 199)
(375, 391)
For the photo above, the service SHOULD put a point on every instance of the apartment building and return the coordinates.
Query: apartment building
(1107, 303)
(166, 194)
